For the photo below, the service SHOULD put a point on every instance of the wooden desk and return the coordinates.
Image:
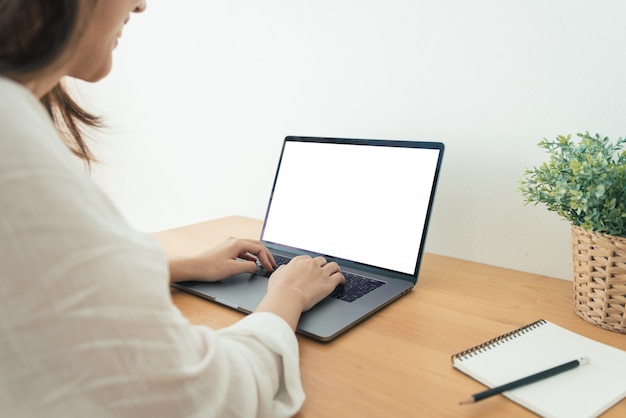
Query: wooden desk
(397, 362)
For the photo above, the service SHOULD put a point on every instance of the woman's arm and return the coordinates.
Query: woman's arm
(292, 289)
(231, 257)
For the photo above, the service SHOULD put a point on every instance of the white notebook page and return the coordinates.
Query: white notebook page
(585, 391)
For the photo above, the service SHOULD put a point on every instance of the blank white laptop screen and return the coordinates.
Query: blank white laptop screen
(362, 203)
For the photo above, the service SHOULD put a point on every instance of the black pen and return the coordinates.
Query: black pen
(526, 380)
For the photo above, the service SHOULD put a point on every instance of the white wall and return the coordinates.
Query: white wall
(202, 93)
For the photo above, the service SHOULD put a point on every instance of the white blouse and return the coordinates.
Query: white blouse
(87, 325)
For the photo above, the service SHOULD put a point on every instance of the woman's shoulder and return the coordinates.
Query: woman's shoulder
(20, 111)
(14, 95)
(26, 128)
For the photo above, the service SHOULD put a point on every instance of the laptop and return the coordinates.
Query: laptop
(363, 203)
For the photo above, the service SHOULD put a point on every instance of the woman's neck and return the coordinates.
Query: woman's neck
(40, 84)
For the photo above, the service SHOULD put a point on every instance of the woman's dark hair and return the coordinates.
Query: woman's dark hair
(34, 35)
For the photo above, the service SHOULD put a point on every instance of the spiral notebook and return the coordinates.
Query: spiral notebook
(586, 391)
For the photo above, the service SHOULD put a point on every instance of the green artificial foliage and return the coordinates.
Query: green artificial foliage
(584, 182)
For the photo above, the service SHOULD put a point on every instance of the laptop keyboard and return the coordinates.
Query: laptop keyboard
(354, 287)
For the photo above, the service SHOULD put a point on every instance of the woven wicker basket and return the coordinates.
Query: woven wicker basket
(600, 278)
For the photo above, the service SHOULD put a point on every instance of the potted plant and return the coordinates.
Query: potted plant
(584, 181)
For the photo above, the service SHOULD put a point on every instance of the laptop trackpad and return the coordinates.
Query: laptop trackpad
(243, 291)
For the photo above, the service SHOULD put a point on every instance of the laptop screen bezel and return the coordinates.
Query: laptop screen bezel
(347, 264)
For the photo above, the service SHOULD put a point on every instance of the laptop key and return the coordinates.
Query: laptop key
(357, 286)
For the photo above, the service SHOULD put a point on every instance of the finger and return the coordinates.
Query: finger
(259, 251)
(331, 268)
(265, 258)
(241, 266)
(249, 246)
(248, 257)
(250, 266)
(321, 261)
(339, 277)
(255, 243)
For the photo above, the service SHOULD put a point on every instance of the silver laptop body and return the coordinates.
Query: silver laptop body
(365, 204)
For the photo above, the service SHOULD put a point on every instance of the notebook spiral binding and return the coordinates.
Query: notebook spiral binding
(488, 345)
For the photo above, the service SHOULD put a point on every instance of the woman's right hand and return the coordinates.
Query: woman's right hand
(299, 285)
(313, 277)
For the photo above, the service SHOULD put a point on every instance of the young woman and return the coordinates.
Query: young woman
(87, 327)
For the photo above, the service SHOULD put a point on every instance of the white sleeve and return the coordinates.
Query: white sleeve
(87, 325)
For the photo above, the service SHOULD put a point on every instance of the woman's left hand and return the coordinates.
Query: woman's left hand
(231, 257)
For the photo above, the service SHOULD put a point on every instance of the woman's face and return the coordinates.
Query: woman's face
(92, 59)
